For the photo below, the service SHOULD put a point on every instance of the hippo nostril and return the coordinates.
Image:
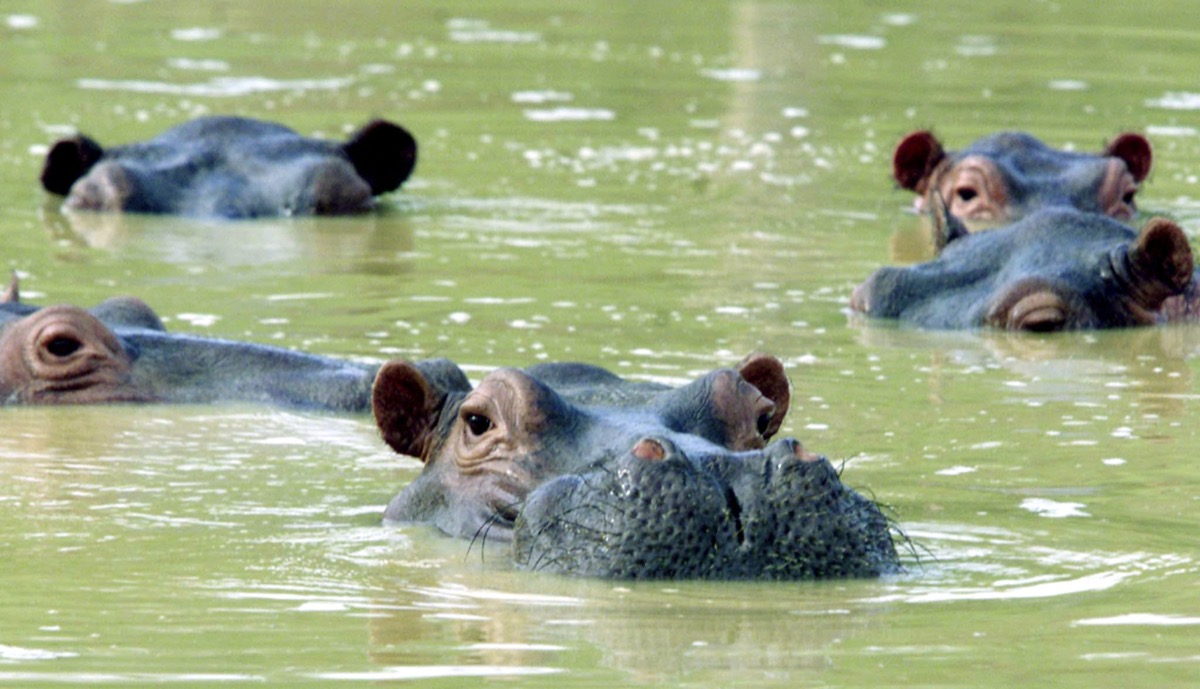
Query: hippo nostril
(63, 346)
(649, 450)
(802, 454)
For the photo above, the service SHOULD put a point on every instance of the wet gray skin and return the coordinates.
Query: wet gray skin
(232, 167)
(591, 475)
(119, 351)
(1006, 176)
(1052, 270)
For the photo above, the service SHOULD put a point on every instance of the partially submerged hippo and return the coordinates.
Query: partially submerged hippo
(589, 474)
(1055, 269)
(232, 167)
(1004, 177)
(119, 351)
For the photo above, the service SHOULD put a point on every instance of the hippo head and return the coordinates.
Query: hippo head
(1004, 177)
(1053, 270)
(119, 351)
(234, 168)
(66, 355)
(626, 481)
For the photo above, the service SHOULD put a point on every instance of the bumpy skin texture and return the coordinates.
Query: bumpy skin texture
(232, 167)
(1053, 270)
(120, 352)
(589, 474)
(1004, 177)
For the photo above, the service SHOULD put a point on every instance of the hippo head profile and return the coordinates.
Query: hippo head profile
(588, 474)
(1003, 177)
(119, 351)
(232, 167)
(1052, 270)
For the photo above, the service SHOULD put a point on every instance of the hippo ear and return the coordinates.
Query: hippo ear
(915, 159)
(407, 399)
(12, 295)
(383, 153)
(67, 161)
(766, 373)
(1160, 261)
(1134, 149)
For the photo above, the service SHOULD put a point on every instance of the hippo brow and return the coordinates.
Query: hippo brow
(447, 414)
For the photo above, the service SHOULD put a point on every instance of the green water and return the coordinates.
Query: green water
(659, 188)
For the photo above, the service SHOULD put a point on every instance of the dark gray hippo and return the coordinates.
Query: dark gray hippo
(1003, 177)
(232, 167)
(119, 351)
(1056, 269)
(586, 473)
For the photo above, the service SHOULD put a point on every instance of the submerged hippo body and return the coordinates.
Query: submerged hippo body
(120, 352)
(1053, 270)
(232, 167)
(588, 474)
(1004, 177)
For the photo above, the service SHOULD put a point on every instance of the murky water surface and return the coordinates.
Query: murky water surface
(658, 189)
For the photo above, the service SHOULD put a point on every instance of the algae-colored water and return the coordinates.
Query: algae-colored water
(657, 188)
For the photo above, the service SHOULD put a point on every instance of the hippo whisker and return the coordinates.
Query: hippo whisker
(481, 534)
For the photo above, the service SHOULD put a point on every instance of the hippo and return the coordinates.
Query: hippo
(232, 167)
(1003, 177)
(119, 351)
(584, 473)
(1055, 269)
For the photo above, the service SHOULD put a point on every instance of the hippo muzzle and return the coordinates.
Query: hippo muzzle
(656, 513)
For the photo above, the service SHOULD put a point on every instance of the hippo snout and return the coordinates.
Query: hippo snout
(656, 512)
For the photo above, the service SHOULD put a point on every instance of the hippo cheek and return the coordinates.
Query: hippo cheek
(334, 188)
(107, 187)
(64, 355)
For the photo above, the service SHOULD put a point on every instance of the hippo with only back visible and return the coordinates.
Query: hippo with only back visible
(1056, 269)
(119, 351)
(586, 473)
(232, 167)
(1003, 177)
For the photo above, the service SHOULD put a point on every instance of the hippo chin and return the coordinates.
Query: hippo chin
(1006, 176)
(119, 351)
(1052, 270)
(588, 474)
(232, 167)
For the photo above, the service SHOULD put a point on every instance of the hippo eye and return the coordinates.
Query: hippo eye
(965, 193)
(63, 346)
(478, 424)
(763, 423)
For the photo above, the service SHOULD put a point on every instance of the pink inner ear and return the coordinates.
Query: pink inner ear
(402, 402)
(766, 373)
(1135, 150)
(915, 159)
